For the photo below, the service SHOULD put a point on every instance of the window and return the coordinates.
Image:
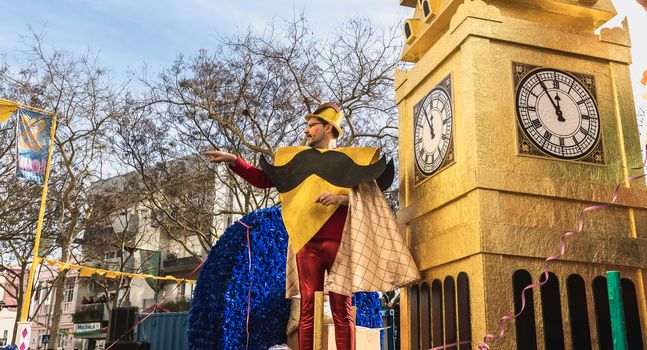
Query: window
(191, 289)
(62, 339)
(39, 339)
(552, 312)
(578, 312)
(69, 293)
(425, 316)
(632, 316)
(182, 289)
(428, 306)
(414, 309)
(110, 255)
(602, 313)
(449, 291)
(464, 317)
(437, 313)
(525, 323)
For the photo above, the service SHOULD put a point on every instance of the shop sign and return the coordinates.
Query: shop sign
(81, 328)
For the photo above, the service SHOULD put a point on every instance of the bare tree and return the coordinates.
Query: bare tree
(77, 90)
(249, 96)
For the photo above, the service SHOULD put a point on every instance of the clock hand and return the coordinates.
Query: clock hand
(558, 110)
(431, 126)
(560, 115)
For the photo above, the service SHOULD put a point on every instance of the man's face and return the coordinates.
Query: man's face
(315, 132)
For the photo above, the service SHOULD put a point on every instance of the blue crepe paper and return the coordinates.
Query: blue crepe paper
(217, 318)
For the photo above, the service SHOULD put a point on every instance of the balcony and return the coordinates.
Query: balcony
(173, 265)
(96, 312)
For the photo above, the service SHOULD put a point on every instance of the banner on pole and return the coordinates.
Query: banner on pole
(151, 265)
(33, 133)
(150, 262)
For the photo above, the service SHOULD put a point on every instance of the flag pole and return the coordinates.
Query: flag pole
(24, 314)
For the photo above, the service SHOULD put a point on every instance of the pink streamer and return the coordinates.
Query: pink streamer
(580, 227)
(249, 286)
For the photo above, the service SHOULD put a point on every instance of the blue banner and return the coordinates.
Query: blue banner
(33, 131)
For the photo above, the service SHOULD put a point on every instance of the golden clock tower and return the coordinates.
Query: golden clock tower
(514, 117)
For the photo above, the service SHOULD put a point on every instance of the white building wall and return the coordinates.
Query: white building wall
(139, 291)
(41, 309)
(7, 324)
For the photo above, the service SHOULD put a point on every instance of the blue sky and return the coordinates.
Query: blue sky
(127, 33)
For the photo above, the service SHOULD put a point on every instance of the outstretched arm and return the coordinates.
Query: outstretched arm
(255, 177)
(219, 157)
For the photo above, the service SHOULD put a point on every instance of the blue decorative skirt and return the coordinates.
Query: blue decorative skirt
(218, 313)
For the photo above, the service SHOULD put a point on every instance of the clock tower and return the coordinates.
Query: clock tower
(514, 117)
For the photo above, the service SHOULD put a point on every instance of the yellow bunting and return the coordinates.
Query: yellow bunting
(89, 271)
(7, 108)
(86, 272)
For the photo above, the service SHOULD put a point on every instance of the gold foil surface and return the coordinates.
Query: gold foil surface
(494, 211)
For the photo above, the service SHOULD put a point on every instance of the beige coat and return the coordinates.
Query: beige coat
(372, 256)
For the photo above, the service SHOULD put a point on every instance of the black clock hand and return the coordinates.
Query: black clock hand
(560, 115)
(558, 110)
(431, 126)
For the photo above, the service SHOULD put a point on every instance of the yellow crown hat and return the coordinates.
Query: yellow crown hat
(330, 112)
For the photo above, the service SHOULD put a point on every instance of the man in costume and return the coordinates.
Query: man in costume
(337, 221)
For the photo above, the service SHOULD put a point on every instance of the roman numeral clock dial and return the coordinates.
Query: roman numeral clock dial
(558, 114)
(433, 130)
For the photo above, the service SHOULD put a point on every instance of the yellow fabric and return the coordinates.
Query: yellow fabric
(86, 272)
(7, 108)
(360, 155)
(301, 215)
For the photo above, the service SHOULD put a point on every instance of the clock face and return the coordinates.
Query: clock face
(557, 113)
(433, 131)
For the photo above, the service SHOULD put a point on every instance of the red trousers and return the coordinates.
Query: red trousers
(313, 259)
